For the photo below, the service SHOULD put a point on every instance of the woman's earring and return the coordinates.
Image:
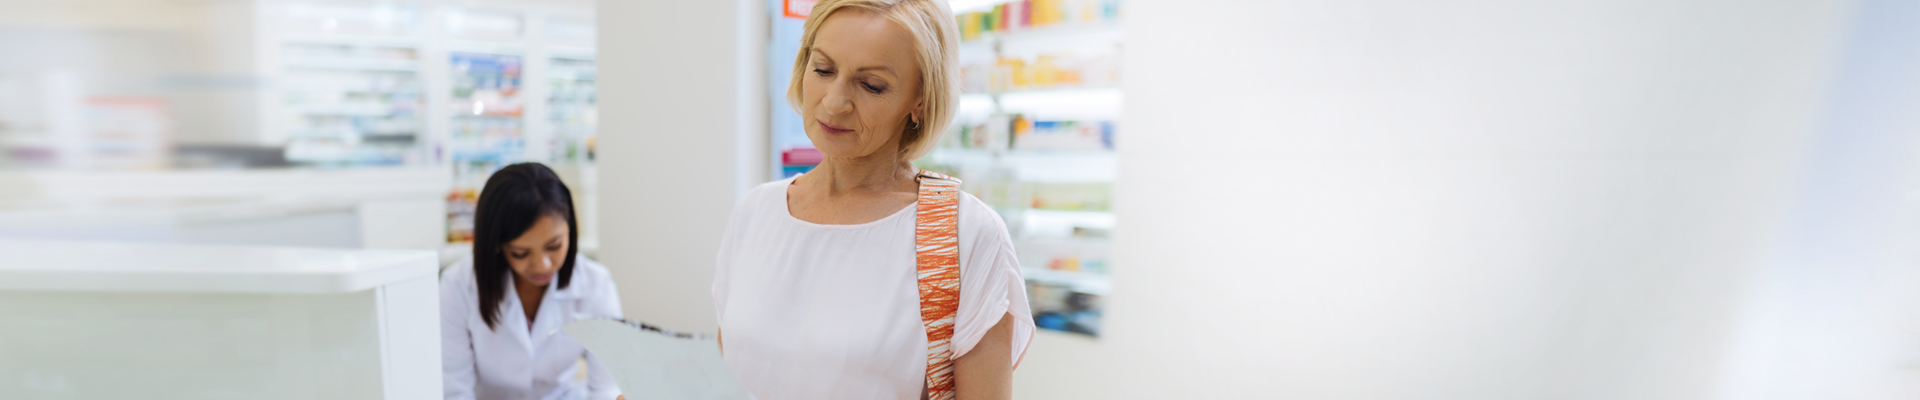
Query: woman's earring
(915, 121)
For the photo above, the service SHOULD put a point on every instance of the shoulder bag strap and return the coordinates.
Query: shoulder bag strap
(937, 248)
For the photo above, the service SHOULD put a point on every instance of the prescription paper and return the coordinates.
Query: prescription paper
(652, 364)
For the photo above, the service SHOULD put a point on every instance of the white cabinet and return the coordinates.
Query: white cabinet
(95, 320)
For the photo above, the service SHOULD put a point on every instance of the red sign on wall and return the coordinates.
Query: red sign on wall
(797, 8)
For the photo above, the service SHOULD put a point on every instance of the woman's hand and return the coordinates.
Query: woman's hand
(986, 372)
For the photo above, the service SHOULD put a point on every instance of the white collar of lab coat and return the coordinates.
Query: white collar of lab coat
(553, 288)
(546, 321)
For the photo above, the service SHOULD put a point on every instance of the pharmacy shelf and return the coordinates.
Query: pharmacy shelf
(1054, 91)
(1077, 51)
(1080, 281)
(1085, 103)
(361, 110)
(495, 47)
(573, 53)
(1050, 228)
(967, 6)
(356, 65)
(1072, 218)
(350, 40)
(1069, 33)
(1037, 166)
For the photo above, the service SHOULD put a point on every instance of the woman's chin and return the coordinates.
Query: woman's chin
(538, 280)
(835, 150)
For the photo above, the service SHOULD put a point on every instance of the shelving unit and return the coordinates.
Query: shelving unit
(351, 102)
(485, 107)
(571, 101)
(470, 87)
(1034, 138)
(1068, 32)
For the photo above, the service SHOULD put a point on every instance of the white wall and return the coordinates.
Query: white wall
(682, 134)
(1385, 199)
(1835, 313)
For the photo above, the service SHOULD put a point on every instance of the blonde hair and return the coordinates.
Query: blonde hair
(936, 38)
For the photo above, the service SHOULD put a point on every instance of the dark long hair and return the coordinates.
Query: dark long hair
(515, 198)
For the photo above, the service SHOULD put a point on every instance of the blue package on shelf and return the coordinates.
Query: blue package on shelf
(1106, 134)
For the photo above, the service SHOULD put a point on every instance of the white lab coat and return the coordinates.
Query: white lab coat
(508, 361)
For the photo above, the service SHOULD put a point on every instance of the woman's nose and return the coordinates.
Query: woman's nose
(546, 262)
(836, 101)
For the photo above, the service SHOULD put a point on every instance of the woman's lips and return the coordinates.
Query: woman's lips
(833, 129)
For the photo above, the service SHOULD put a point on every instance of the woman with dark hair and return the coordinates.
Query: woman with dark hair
(500, 307)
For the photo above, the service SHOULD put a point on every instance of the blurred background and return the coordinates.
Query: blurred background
(1360, 199)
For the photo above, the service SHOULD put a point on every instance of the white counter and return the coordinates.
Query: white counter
(99, 320)
(80, 266)
(375, 208)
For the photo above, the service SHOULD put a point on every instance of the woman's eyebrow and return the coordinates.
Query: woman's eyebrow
(822, 54)
(880, 68)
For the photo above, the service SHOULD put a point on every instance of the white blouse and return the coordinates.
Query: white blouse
(511, 362)
(811, 311)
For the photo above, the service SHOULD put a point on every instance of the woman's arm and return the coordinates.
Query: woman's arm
(604, 303)
(456, 347)
(986, 372)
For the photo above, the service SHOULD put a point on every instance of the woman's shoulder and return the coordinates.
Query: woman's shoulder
(972, 209)
(771, 189)
(458, 274)
(587, 268)
(979, 221)
(760, 197)
(593, 284)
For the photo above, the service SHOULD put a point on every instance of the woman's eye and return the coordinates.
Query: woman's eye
(822, 72)
(874, 89)
(517, 255)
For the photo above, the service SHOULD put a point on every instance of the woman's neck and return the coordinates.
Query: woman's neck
(874, 173)
(525, 289)
(530, 297)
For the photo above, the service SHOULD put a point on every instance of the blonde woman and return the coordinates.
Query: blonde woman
(816, 289)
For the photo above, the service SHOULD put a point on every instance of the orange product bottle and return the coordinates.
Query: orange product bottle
(1021, 126)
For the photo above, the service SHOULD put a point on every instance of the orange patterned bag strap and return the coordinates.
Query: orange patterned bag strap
(937, 249)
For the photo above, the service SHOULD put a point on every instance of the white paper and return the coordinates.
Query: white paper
(655, 365)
